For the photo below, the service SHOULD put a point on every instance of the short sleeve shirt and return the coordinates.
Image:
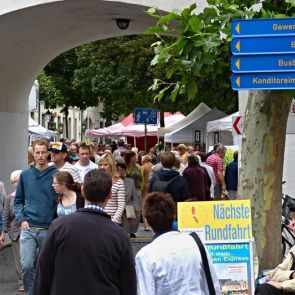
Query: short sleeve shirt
(216, 163)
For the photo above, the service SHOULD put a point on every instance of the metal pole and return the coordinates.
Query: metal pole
(145, 139)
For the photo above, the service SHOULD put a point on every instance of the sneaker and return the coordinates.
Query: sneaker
(21, 288)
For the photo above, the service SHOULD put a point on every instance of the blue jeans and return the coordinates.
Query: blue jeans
(31, 240)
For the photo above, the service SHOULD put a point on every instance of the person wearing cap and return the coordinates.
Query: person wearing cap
(59, 153)
(84, 164)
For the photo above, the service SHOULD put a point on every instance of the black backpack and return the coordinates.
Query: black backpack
(162, 186)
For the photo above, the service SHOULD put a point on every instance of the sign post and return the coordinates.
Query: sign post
(145, 137)
(225, 228)
(146, 117)
(263, 54)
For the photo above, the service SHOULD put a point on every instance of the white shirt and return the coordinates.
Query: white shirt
(84, 169)
(172, 265)
(72, 170)
(212, 177)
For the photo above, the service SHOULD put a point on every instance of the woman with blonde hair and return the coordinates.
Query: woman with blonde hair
(116, 204)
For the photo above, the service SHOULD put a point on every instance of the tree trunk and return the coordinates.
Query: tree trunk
(260, 176)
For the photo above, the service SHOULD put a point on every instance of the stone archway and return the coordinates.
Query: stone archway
(33, 32)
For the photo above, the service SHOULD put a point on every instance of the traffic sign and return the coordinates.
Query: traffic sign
(263, 45)
(238, 124)
(263, 63)
(263, 81)
(146, 116)
(270, 26)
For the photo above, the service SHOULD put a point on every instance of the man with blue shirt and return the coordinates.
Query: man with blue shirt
(231, 177)
(34, 206)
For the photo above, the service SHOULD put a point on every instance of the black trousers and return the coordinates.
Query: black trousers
(267, 289)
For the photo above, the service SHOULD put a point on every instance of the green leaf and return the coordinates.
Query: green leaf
(155, 60)
(192, 89)
(195, 23)
(197, 68)
(166, 19)
(152, 12)
(160, 95)
(156, 29)
(175, 92)
(170, 73)
(187, 11)
(292, 2)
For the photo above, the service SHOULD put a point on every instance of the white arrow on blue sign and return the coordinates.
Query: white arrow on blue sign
(264, 26)
(263, 81)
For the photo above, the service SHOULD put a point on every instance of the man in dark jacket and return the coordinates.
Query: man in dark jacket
(176, 184)
(85, 252)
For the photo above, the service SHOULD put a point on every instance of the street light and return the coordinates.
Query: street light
(48, 116)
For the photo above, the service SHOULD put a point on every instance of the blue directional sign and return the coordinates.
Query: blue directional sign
(263, 81)
(146, 116)
(270, 26)
(263, 45)
(263, 63)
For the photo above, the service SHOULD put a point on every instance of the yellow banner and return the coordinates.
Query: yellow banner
(216, 220)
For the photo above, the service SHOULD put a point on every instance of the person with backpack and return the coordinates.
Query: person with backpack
(168, 180)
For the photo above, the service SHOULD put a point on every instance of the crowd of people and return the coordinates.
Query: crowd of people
(110, 189)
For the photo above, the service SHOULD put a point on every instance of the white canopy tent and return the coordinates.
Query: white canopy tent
(36, 130)
(198, 112)
(194, 129)
(221, 131)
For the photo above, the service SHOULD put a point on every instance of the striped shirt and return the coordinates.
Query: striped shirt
(116, 204)
(67, 167)
(216, 163)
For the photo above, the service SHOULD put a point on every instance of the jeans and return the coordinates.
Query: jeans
(31, 240)
(16, 253)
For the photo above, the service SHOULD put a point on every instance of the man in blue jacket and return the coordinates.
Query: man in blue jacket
(34, 206)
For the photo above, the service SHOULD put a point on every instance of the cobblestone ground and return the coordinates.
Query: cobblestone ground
(8, 277)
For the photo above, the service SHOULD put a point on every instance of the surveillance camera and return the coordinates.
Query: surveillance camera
(122, 23)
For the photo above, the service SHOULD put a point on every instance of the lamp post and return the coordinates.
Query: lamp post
(48, 116)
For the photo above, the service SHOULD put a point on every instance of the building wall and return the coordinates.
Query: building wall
(90, 117)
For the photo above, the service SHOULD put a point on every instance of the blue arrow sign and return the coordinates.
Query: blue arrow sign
(263, 81)
(263, 63)
(266, 26)
(263, 45)
(146, 116)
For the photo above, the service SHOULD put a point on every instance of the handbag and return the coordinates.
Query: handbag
(205, 263)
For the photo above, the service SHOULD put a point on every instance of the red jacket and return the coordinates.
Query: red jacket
(198, 182)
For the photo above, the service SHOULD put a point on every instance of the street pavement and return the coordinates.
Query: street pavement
(8, 277)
